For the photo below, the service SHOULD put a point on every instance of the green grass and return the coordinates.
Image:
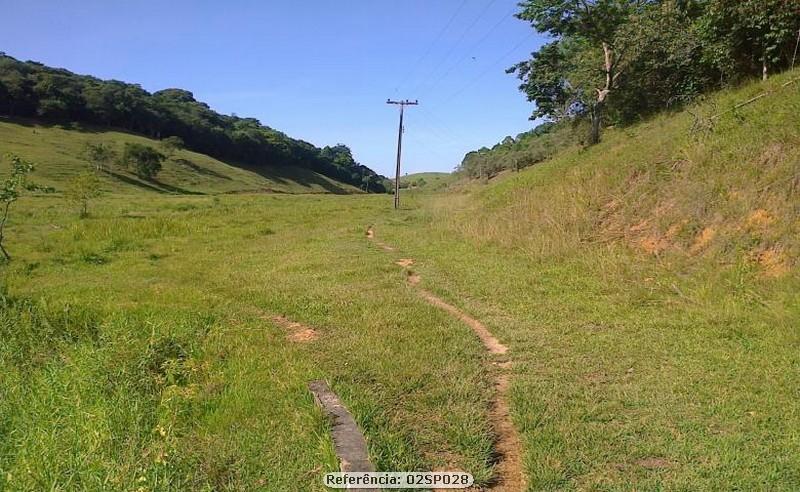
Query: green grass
(651, 354)
(433, 181)
(57, 151)
(137, 351)
(620, 360)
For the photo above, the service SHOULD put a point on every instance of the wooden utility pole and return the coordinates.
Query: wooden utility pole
(402, 105)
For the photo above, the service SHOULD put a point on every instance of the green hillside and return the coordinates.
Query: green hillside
(427, 181)
(57, 152)
(710, 182)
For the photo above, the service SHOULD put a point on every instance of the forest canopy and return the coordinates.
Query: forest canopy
(616, 61)
(33, 90)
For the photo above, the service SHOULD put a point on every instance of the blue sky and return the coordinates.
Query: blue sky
(317, 70)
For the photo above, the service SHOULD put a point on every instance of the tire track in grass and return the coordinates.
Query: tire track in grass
(509, 476)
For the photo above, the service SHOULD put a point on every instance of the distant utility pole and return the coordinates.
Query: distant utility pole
(402, 105)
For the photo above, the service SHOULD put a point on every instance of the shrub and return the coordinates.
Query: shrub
(143, 160)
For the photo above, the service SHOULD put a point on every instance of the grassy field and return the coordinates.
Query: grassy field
(646, 288)
(58, 154)
(138, 348)
(433, 181)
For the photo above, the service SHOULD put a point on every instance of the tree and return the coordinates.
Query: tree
(99, 155)
(170, 145)
(10, 192)
(750, 36)
(584, 58)
(143, 160)
(83, 188)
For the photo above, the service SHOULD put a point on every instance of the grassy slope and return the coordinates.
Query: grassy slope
(57, 153)
(649, 292)
(433, 180)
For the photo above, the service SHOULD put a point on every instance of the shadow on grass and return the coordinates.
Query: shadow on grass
(200, 170)
(298, 175)
(156, 186)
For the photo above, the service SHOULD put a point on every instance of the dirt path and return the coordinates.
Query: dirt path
(509, 476)
(381, 244)
(489, 341)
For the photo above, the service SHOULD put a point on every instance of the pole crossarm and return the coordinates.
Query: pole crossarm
(405, 102)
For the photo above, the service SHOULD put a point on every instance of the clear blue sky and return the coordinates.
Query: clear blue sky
(317, 70)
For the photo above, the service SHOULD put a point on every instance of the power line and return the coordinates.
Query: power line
(432, 150)
(488, 69)
(439, 126)
(432, 44)
(471, 49)
(461, 38)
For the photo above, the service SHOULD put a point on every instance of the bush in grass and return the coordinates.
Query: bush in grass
(143, 160)
(81, 189)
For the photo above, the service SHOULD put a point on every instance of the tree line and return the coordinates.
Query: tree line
(614, 62)
(33, 90)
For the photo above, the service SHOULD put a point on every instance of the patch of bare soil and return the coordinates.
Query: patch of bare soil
(653, 244)
(773, 261)
(413, 278)
(653, 463)
(296, 332)
(381, 244)
(307, 335)
(404, 262)
(508, 447)
(703, 239)
(759, 219)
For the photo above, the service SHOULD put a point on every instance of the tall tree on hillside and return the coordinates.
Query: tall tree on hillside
(99, 155)
(580, 69)
(747, 36)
